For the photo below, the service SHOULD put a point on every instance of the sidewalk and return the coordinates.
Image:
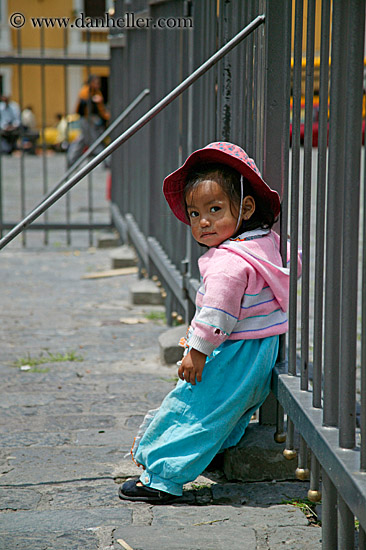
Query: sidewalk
(66, 424)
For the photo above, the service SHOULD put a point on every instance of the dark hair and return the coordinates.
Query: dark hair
(229, 180)
(92, 77)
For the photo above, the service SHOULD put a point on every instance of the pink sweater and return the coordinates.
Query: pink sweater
(244, 292)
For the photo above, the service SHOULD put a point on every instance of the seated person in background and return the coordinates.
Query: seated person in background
(28, 119)
(9, 124)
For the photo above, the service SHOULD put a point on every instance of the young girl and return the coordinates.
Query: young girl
(232, 343)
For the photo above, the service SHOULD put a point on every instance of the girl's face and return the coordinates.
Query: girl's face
(213, 218)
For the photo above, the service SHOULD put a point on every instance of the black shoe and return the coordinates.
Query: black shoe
(131, 491)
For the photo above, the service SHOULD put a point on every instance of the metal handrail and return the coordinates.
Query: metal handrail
(178, 90)
(97, 142)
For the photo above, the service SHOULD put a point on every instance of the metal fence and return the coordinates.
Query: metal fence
(328, 407)
(32, 172)
(254, 98)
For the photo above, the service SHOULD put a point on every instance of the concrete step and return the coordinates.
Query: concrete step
(145, 292)
(108, 239)
(123, 256)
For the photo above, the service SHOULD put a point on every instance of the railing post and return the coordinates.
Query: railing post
(187, 262)
(276, 117)
(334, 224)
(117, 42)
(276, 94)
(329, 514)
(348, 349)
(225, 106)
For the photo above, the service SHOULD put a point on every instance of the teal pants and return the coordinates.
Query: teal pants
(194, 423)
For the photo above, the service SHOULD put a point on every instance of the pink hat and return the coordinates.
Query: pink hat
(225, 153)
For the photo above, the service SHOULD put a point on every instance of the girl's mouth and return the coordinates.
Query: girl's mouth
(203, 235)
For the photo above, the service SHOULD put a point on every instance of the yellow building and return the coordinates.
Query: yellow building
(51, 89)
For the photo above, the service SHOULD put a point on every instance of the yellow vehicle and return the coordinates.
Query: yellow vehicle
(60, 136)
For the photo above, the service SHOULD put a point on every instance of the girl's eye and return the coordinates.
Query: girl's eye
(193, 214)
(215, 208)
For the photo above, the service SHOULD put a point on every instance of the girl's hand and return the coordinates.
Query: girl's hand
(192, 367)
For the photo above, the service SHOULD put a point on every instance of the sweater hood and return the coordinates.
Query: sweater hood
(260, 248)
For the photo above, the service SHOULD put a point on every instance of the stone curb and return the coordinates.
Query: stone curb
(123, 256)
(108, 239)
(145, 292)
(170, 351)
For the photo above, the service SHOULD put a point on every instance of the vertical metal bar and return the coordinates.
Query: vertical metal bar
(66, 102)
(168, 303)
(275, 91)
(286, 131)
(90, 206)
(226, 106)
(348, 354)
(302, 470)
(154, 194)
(239, 85)
(1, 192)
(241, 108)
(280, 435)
(306, 212)
(314, 493)
(44, 152)
(117, 94)
(320, 205)
(361, 539)
(22, 175)
(90, 175)
(212, 27)
(334, 212)
(295, 178)
(289, 452)
(363, 328)
(274, 106)
(255, 83)
(249, 86)
(346, 526)
(261, 56)
(329, 513)
(189, 308)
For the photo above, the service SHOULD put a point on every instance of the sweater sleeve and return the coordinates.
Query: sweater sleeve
(218, 308)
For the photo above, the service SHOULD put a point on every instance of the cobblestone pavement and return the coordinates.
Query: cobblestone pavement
(85, 203)
(68, 421)
(77, 377)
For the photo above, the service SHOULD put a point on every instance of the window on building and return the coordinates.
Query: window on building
(94, 8)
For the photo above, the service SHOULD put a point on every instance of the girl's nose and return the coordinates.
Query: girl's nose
(204, 222)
